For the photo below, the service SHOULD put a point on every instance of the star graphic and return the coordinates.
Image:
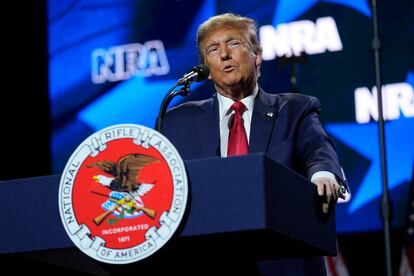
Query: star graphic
(136, 100)
(363, 138)
(288, 10)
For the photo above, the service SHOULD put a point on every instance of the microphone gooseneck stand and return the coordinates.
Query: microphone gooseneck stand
(184, 91)
(385, 202)
(197, 73)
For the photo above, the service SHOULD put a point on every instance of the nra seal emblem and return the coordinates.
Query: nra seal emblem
(123, 193)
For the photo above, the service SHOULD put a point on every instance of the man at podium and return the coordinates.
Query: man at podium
(241, 118)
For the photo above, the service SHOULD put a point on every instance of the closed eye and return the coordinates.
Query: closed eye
(234, 43)
(212, 50)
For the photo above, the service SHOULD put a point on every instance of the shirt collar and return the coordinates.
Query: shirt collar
(225, 102)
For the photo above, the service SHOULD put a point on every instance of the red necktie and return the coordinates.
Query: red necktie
(237, 138)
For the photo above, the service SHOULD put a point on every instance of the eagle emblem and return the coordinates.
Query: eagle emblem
(125, 198)
(123, 193)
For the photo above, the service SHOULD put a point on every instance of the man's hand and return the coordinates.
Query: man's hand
(328, 189)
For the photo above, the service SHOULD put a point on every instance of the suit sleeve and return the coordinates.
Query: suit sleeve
(314, 147)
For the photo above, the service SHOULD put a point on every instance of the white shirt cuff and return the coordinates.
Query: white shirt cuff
(324, 174)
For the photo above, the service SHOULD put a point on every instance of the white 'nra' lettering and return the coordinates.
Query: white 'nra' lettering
(291, 39)
(126, 61)
(397, 98)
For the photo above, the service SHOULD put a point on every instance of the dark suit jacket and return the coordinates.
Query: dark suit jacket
(284, 126)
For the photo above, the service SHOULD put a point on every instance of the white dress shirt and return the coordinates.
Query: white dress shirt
(226, 114)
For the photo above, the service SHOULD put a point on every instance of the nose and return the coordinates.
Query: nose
(225, 52)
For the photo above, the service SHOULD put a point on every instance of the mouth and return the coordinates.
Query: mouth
(228, 68)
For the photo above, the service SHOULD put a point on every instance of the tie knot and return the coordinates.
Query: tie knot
(238, 107)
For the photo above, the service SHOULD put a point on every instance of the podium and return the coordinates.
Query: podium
(249, 203)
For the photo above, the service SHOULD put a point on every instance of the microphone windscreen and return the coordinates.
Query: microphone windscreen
(202, 71)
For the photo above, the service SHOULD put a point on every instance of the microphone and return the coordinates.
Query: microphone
(197, 73)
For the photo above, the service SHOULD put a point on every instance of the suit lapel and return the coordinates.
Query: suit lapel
(207, 122)
(263, 119)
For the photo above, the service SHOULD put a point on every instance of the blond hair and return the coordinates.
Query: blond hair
(229, 19)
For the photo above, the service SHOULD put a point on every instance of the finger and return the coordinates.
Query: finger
(325, 207)
(329, 193)
(334, 191)
(320, 188)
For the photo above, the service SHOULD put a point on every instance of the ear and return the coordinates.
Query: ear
(258, 58)
(209, 74)
(205, 62)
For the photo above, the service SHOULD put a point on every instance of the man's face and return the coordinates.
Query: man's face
(229, 56)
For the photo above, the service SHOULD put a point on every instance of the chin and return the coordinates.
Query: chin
(231, 81)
